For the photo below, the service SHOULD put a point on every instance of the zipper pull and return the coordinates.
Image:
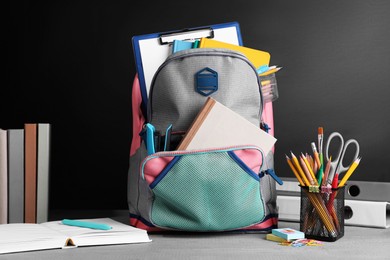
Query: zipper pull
(272, 173)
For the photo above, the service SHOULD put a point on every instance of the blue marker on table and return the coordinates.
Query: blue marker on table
(86, 224)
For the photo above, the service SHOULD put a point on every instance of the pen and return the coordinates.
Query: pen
(86, 224)
(350, 171)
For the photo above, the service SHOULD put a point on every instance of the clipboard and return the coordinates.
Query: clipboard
(151, 50)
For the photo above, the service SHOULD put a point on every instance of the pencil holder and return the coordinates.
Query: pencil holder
(269, 87)
(322, 214)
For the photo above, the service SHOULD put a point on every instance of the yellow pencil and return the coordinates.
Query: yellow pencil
(349, 172)
(294, 171)
(296, 163)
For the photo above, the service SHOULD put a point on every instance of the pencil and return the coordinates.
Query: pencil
(351, 169)
(315, 153)
(322, 211)
(310, 169)
(298, 167)
(326, 173)
(294, 171)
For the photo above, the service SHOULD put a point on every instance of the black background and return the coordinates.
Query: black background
(70, 63)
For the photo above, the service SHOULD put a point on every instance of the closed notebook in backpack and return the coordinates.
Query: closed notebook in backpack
(216, 189)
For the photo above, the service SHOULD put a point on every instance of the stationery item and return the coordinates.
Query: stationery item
(3, 177)
(320, 147)
(295, 171)
(364, 213)
(275, 238)
(326, 173)
(298, 167)
(217, 126)
(351, 169)
(151, 50)
(86, 224)
(257, 57)
(315, 153)
(313, 187)
(302, 242)
(269, 87)
(263, 69)
(15, 175)
(167, 140)
(288, 233)
(289, 206)
(270, 71)
(305, 162)
(354, 190)
(54, 234)
(336, 165)
(322, 218)
(150, 141)
(367, 213)
(179, 45)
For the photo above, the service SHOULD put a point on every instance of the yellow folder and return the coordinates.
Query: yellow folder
(257, 57)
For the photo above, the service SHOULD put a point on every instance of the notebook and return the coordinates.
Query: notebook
(218, 126)
(257, 57)
(50, 235)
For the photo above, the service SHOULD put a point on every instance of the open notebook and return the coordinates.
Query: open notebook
(50, 235)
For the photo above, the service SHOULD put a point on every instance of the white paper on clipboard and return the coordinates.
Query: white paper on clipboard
(150, 53)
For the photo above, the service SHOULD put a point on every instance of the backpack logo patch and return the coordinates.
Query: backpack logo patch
(206, 81)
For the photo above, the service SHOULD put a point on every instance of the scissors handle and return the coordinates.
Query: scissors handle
(336, 157)
(341, 167)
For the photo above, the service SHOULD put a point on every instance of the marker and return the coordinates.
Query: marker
(86, 224)
(150, 138)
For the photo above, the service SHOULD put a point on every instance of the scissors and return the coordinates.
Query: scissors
(336, 165)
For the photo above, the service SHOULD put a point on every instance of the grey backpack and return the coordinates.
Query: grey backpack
(218, 189)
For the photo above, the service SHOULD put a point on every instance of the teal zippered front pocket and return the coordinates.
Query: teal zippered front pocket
(208, 190)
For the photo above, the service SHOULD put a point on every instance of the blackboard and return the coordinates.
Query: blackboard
(71, 64)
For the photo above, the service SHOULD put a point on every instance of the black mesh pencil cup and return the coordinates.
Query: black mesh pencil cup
(322, 214)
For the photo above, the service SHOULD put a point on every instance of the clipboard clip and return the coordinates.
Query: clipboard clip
(186, 34)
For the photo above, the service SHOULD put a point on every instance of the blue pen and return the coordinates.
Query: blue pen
(86, 224)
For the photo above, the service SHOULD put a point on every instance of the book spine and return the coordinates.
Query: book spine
(30, 156)
(3, 178)
(43, 165)
(15, 175)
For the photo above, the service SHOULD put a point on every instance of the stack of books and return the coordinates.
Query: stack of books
(24, 174)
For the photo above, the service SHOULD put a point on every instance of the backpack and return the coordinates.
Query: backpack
(217, 189)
